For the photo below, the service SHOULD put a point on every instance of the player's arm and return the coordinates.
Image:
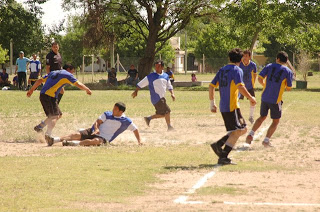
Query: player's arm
(96, 126)
(254, 75)
(136, 133)
(34, 87)
(244, 92)
(213, 106)
(172, 95)
(261, 80)
(143, 83)
(83, 87)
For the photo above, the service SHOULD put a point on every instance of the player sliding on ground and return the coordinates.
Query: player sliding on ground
(54, 82)
(274, 78)
(230, 82)
(107, 127)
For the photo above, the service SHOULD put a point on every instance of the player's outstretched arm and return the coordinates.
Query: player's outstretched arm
(136, 133)
(213, 106)
(172, 95)
(245, 93)
(135, 93)
(83, 87)
(34, 87)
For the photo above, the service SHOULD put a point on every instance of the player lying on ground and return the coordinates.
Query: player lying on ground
(107, 127)
(54, 82)
(275, 78)
(230, 82)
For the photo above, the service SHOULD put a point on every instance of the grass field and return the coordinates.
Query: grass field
(127, 177)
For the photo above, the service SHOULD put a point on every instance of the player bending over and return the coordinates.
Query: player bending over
(274, 78)
(107, 127)
(54, 82)
(230, 82)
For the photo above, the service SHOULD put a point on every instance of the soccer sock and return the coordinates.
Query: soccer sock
(59, 97)
(222, 140)
(74, 143)
(227, 149)
(42, 124)
(251, 133)
(266, 140)
(56, 139)
(252, 111)
(149, 117)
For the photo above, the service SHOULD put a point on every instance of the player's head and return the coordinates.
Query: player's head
(55, 47)
(68, 67)
(246, 56)
(282, 57)
(132, 67)
(34, 56)
(21, 54)
(159, 64)
(235, 55)
(118, 109)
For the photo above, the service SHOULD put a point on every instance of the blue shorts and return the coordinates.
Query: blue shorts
(275, 109)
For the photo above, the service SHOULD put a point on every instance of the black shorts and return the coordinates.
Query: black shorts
(251, 91)
(87, 134)
(161, 107)
(33, 76)
(275, 109)
(50, 105)
(233, 120)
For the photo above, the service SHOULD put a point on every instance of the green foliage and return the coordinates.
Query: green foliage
(3, 55)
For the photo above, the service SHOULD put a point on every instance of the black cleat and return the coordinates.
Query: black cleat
(147, 120)
(217, 149)
(49, 140)
(38, 129)
(225, 161)
(65, 143)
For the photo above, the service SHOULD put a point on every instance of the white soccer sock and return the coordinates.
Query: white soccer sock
(56, 139)
(251, 111)
(251, 133)
(75, 143)
(266, 140)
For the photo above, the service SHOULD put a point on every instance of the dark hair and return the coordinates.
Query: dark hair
(247, 51)
(54, 43)
(121, 106)
(282, 56)
(235, 55)
(4, 69)
(68, 66)
(160, 62)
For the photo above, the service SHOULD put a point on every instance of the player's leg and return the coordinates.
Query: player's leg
(252, 108)
(20, 78)
(91, 142)
(275, 112)
(60, 95)
(24, 81)
(162, 111)
(167, 118)
(217, 146)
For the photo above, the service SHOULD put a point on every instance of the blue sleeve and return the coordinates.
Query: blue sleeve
(216, 79)
(289, 78)
(238, 78)
(72, 79)
(254, 68)
(264, 71)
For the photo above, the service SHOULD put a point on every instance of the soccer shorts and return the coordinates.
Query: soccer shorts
(251, 91)
(87, 134)
(275, 109)
(233, 120)
(161, 107)
(50, 105)
(33, 76)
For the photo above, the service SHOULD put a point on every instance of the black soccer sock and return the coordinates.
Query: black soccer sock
(59, 97)
(222, 140)
(225, 152)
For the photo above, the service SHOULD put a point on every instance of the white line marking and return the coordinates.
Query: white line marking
(272, 204)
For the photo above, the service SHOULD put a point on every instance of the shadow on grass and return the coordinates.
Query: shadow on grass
(201, 166)
(21, 141)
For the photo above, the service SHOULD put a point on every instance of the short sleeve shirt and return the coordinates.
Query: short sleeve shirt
(54, 61)
(22, 64)
(277, 78)
(132, 73)
(228, 79)
(3, 76)
(35, 66)
(248, 72)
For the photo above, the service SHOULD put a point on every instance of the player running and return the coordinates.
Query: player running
(54, 82)
(230, 83)
(249, 69)
(275, 78)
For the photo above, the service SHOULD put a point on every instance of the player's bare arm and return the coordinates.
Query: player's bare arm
(261, 81)
(96, 127)
(213, 106)
(245, 93)
(83, 87)
(135, 93)
(34, 87)
(136, 133)
(47, 69)
(172, 95)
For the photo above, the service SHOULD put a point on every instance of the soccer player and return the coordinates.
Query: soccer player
(275, 78)
(21, 68)
(54, 82)
(249, 69)
(54, 62)
(35, 68)
(106, 128)
(170, 74)
(230, 83)
(158, 82)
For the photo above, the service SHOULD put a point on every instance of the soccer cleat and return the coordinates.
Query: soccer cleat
(251, 119)
(147, 120)
(267, 144)
(249, 138)
(38, 129)
(65, 143)
(225, 161)
(216, 148)
(49, 140)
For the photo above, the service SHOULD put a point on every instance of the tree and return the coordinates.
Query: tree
(3, 55)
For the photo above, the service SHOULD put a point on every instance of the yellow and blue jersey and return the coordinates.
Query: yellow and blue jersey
(170, 74)
(228, 79)
(277, 78)
(248, 72)
(55, 80)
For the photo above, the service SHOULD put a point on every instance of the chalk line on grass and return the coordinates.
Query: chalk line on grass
(272, 204)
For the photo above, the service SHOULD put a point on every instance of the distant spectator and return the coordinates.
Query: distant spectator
(15, 81)
(4, 78)
(112, 77)
(193, 77)
(170, 73)
(21, 68)
(35, 69)
(132, 76)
